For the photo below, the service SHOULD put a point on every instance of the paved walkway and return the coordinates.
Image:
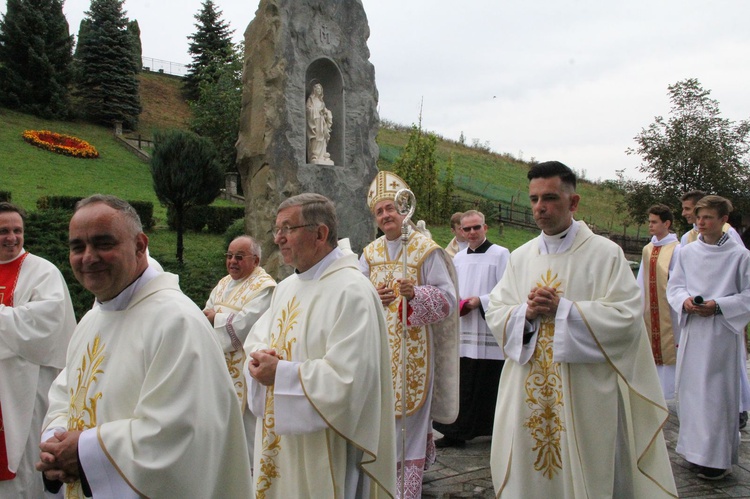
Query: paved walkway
(466, 472)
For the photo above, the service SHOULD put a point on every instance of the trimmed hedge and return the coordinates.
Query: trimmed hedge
(216, 218)
(145, 209)
(46, 235)
(235, 229)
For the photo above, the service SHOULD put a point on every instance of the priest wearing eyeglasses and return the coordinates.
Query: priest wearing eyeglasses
(235, 304)
(479, 267)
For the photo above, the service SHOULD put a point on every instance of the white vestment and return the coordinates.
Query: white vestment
(34, 334)
(432, 390)
(690, 237)
(478, 274)
(238, 305)
(664, 332)
(325, 428)
(711, 350)
(147, 384)
(579, 408)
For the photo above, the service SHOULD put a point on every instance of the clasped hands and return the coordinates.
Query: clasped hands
(705, 309)
(59, 457)
(262, 366)
(387, 295)
(541, 301)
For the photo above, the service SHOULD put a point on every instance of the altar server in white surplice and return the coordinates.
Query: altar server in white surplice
(479, 268)
(318, 369)
(717, 269)
(689, 200)
(145, 406)
(579, 409)
(233, 307)
(657, 261)
(430, 292)
(36, 322)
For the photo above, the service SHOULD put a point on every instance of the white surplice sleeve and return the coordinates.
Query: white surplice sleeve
(231, 325)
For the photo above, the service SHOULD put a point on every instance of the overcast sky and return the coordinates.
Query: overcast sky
(549, 79)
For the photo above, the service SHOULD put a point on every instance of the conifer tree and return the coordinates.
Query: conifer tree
(35, 54)
(210, 46)
(185, 173)
(106, 73)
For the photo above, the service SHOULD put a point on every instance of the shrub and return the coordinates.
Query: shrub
(235, 229)
(145, 210)
(221, 217)
(218, 218)
(58, 203)
(46, 235)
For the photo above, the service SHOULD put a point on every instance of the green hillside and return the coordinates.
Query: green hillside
(29, 173)
(479, 174)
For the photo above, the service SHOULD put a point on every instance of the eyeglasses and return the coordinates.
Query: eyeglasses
(475, 228)
(236, 257)
(285, 230)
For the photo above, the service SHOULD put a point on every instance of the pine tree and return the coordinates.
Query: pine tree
(210, 46)
(35, 54)
(106, 73)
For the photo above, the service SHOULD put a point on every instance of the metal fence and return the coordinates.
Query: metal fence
(161, 66)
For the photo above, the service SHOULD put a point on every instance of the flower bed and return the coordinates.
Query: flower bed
(61, 144)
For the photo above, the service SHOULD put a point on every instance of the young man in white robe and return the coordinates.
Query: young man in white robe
(318, 369)
(716, 269)
(233, 307)
(579, 409)
(36, 322)
(458, 243)
(429, 292)
(657, 261)
(689, 200)
(145, 406)
(479, 268)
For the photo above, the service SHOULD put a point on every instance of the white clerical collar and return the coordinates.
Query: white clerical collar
(669, 238)
(121, 301)
(559, 243)
(462, 245)
(317, 270)
(15, 257)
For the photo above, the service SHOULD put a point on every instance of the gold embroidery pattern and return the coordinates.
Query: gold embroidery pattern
(82, 413)
(235, 360)
(271, 442)
(544, 395)
(385, 272)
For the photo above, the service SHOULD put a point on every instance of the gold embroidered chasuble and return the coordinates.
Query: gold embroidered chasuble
(444, 339)
(656, 261)
(233, 301)
(556, 426)
(335, 328)
(152, 381)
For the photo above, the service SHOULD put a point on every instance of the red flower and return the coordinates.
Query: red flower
(61, 144)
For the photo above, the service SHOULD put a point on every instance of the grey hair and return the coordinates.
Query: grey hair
(316, 209)
(254, 246)
(131, 216)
